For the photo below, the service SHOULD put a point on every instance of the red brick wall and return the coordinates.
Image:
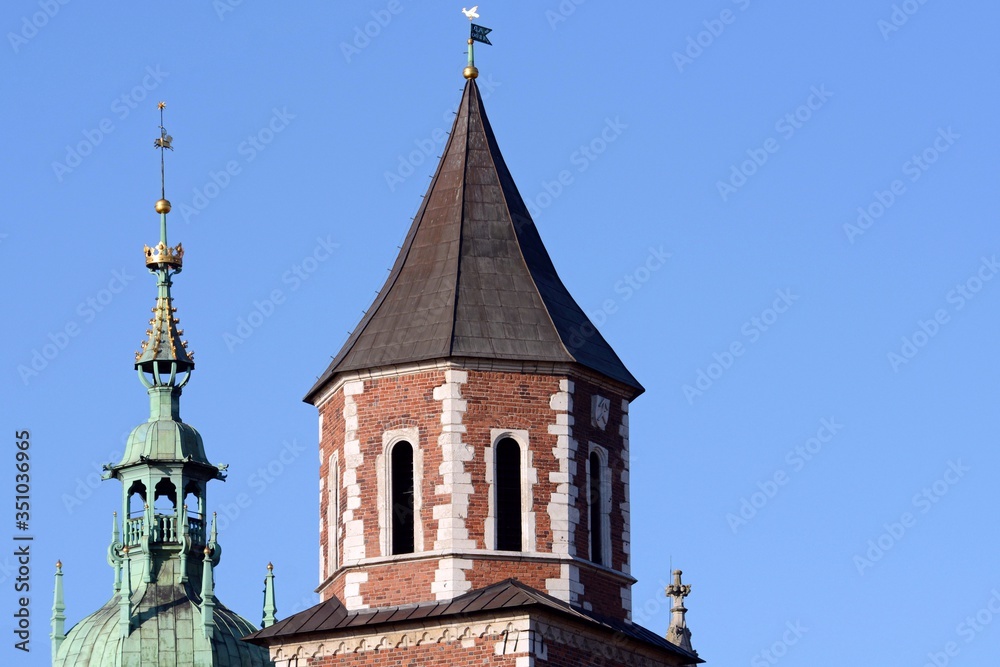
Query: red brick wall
(331, 439)
(494, 400)
(609, 439)
(448, 654)
(561, 655)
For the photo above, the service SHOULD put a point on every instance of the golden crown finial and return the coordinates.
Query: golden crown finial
(161, 253)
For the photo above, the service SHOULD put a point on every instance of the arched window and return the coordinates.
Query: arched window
(596, 500)
(401, 498)
(136, 499)
(165, 497)
(193, 499)
(507, 487)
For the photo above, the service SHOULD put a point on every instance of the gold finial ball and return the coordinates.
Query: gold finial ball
(470, 72)
(162, 206)
(58, 564)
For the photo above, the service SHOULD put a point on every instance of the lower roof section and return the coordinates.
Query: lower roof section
(330, 622)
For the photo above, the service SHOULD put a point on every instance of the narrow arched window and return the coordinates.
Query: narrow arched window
(401, 500)
(136, 499)
(507, 485)
(596, 510)
(333, 516)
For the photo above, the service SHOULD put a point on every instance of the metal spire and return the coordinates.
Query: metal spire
(58, 612)
(270, 609)
(207, 595)
(163, 352)
(163, 143)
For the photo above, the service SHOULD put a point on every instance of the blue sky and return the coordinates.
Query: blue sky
(815, 448)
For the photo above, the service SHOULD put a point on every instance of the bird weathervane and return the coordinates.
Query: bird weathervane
(478, 34)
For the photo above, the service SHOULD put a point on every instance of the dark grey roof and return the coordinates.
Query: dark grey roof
(473, 278)
(333, 616)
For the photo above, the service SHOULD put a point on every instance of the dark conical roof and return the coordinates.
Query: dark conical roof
(473, 278)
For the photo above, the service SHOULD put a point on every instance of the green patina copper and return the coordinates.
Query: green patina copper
(58, 617)
(270, 608)
(163, 610)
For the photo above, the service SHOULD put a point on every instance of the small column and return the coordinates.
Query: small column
(113, 558)
(151, 535)
(678, 633)
(125, 597)
(185, 540)
(270, 609)
(58, 615)
(207, 595)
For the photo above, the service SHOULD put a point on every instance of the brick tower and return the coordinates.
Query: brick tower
(474, 448)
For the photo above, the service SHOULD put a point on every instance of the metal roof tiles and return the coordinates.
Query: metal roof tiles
(473, 278)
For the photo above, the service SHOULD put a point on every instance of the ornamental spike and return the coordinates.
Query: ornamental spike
(58, 612)
(270, 608)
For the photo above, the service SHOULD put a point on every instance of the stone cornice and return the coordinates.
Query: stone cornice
(477, 554)
(473, 364)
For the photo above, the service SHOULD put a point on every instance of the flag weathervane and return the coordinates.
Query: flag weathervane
(478, 34)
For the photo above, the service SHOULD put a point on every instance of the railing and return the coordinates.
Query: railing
(134, 531)
(165, 530)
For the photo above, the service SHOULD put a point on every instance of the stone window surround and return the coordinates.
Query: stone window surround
(383, 465)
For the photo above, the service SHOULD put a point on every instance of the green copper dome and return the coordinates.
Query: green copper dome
(168, 632)
(164, 437)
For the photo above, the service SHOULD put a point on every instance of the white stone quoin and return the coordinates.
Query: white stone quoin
(455, 489)
(354, 529)
(563, 514)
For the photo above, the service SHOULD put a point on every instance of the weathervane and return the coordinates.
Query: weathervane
(478, 35)
(161, 143)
